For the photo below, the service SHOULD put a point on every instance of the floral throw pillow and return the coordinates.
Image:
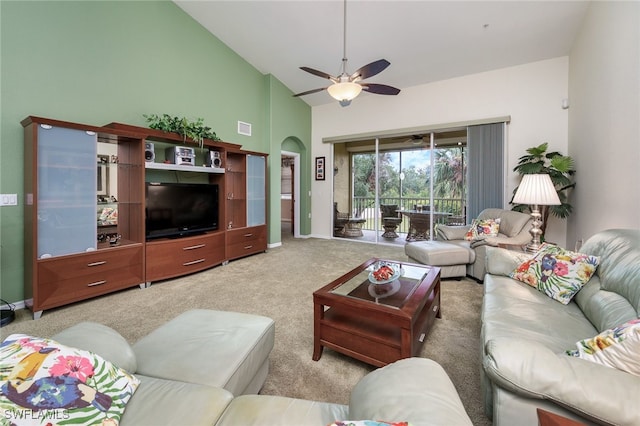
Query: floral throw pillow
(557, 272)
(618, 347)
(43, 382)
(482, 228)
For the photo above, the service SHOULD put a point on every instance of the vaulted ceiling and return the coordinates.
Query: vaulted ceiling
(425, 41)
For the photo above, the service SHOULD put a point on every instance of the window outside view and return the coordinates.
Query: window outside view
(407, 177)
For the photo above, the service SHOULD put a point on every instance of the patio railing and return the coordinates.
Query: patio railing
(364, 207)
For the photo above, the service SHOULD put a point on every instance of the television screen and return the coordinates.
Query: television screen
(180, 209)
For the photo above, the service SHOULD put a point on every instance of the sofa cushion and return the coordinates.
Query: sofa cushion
(512, 309)
(170, 402)
(619, 269)
(215, 348)
(68, 383)
(618, 348)
(102, 340)
(557, 272)
(397, 392)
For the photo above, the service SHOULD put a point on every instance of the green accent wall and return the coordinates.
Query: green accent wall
(97, 62)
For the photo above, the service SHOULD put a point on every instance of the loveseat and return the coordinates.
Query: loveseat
(205, 367)
(525, 335)
(458, 255)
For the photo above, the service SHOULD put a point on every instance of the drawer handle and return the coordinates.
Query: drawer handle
(102, 262)
(97, 283)
(194, 247)
(247, 247)
(193, 262)
(248, 235)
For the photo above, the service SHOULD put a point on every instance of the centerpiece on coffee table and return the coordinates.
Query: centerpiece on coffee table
(384, 273)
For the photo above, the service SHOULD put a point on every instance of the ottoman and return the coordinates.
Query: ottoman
(228, 350)
(451, 258)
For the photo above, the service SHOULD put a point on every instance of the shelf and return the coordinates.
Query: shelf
(177, 167)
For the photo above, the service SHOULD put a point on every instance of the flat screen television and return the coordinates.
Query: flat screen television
(180, 209)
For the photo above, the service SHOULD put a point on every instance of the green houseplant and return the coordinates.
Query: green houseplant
(560, 169)
(195, 130)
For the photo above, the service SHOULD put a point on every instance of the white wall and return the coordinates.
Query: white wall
(604, 125)
(531, 94)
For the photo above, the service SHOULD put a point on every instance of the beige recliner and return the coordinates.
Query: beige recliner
(514, 230)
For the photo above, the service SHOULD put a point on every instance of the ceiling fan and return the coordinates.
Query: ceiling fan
(346, 86)
(416, 139)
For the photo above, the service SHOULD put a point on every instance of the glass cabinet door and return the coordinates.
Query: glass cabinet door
(256, 197)
(66, 198)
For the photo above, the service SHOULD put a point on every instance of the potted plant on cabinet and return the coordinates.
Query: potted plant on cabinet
(560, 169)
(195, 130)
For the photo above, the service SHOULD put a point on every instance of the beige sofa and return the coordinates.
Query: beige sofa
(205, 367)
(525, 335)
(458, 257)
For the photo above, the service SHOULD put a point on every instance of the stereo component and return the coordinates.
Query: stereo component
(181, 155)
(149, 153)
(214, 159)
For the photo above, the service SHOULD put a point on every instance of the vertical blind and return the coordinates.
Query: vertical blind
(485, 154)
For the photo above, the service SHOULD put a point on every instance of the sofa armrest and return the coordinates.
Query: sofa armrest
(451, 232)
(503, 262)
(415, 390)
(531, 370)
(102, 340)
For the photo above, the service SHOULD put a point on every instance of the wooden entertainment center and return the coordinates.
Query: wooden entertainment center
(84, 215)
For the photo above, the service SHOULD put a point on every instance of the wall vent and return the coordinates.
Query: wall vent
(244, 128)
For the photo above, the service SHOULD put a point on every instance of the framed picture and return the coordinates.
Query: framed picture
(320, 167)
(103, 175)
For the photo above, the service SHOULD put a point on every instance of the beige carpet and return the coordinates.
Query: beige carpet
(279, 284)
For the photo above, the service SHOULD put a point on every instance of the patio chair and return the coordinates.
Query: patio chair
(346, 226)
(390, 220)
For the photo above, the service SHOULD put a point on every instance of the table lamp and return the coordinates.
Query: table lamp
(536, 190)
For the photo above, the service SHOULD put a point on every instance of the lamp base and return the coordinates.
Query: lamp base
(535, 230)
(532, 247)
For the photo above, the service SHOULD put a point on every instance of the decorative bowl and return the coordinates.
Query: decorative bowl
(397, 272)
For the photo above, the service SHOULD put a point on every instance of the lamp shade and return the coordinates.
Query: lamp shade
(344, 91)
(536, 189)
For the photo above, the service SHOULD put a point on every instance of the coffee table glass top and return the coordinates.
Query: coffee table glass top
(393, 294)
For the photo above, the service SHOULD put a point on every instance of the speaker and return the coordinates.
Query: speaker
(149, 153)
(214, 159)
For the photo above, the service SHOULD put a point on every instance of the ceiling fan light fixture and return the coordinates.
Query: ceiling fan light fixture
(344, 92)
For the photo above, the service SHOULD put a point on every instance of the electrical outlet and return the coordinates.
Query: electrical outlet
(8, 199)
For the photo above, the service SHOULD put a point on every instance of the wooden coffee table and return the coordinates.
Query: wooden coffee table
(377, 323)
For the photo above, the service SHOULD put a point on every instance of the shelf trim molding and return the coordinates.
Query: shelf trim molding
(183, 168)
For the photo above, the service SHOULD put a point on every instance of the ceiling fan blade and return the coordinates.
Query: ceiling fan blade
(318, 73)
(371, 69)
(380, 89)
(308, 92)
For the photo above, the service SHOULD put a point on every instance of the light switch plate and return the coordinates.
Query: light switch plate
(8, 199)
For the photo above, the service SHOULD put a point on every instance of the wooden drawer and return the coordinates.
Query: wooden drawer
(170, 258)
(246, 241)
(246, 248)
(98, 262)
(242, 235)
(73, 278)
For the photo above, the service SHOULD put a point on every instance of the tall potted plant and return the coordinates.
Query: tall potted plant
(560, 169)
